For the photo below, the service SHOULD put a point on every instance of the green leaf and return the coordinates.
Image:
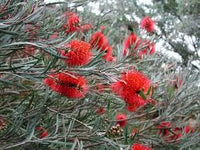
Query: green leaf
(142, 94)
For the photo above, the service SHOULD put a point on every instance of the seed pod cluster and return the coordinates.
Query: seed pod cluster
(115, 131)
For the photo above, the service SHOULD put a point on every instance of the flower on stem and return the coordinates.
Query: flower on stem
(164, 128)
(138, 47)
(67, 84)
(169, 133)
(137, 146)
(79, 54)
(188, 129)
(100, 41)
(86, 27)
(73, 23)
(129, 88)
(134, 132)
(121, 119)
(148, 24)
(44, 134)
(130, 40)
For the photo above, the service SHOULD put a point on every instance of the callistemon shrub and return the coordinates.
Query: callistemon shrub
(67, 83)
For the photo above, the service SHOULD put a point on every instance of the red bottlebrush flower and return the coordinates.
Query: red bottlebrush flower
(73, 20)
(131, 83)
(174, 136)
(134, 131)
(79, 53)
(108, 56)
(130, 40)
(102, 28)
(137, 146)
(121, 119)
(129, 87)
(86, 27)
(148, 24)
(100, 110)
(39, 128)
(73, 23)
(99, 40)
(188, 129)
(134, 103)
(44, 134)
(67, 84)
(148, 48)
(164, 128)
(169, 134)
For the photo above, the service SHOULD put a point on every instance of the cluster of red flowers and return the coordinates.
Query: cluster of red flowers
(170, 133)
(121, 119)
(129, 86)
(137, 146)
(74, 23)
(67, 84)
(43, 132)
(79, 53)
(100, 41)
(138, 47)
(148, 24)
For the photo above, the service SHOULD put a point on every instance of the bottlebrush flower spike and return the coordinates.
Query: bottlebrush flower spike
(188, 129)
(86, 27)
(39, 128)
(129, 87)
(44, 134)
(148, 48)
(79, 53)
(135, 102)
(137, 146)
(121, 119)
(67, 84)
(164, 128)
(148, 24)
(100, 41)
(108, 56)
(131, 82)
(169, 133)
(130, 40)
(73, 22)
